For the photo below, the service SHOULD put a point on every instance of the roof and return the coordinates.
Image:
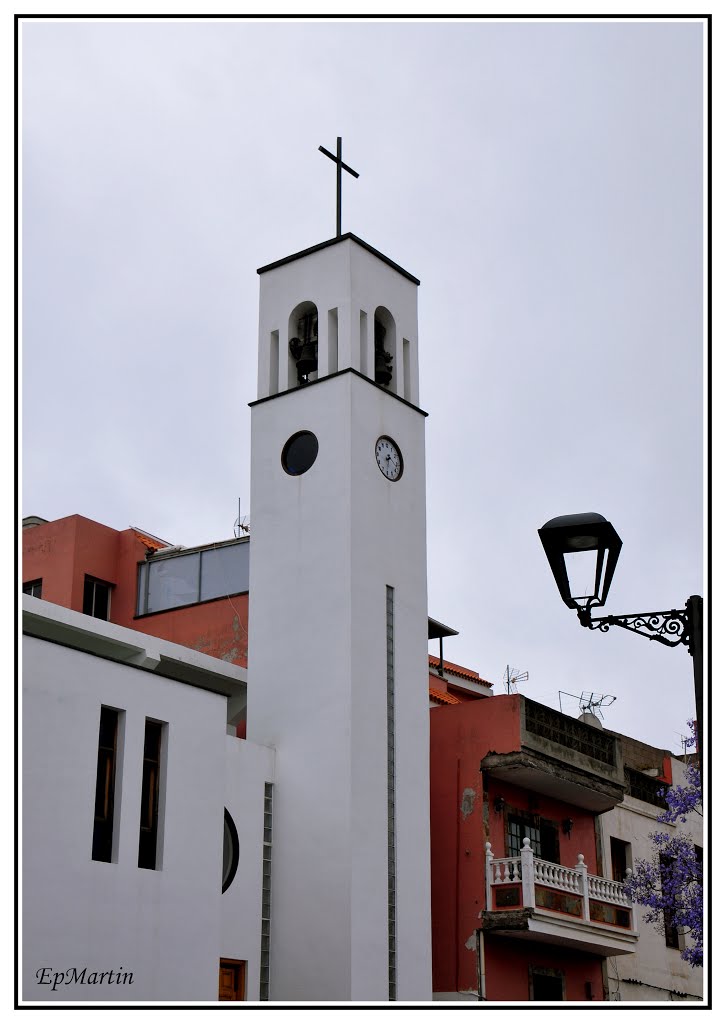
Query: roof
(457, 670)
(334, 241)
(443, 698)
(148, 540)
(438, 629)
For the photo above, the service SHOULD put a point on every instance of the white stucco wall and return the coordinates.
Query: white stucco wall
(653, 971)
(326, 545)
(170, 926)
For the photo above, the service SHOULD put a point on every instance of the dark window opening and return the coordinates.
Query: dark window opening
(34, 588)
(105, 786)
(230, 851)
(543, 836)
(672, 936)
(96, 598)
(149, 824)
(546, 985)
(620, 858)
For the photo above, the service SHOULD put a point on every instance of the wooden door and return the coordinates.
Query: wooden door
(231, 980)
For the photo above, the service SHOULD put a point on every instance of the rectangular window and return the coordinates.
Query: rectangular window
(150, 794)
(543, 836)
(96, 598)
(266, 895)
(274, 362)
(620, 858)
(332, 340)
(391, 731)
(364, 344)
(672, 937)
(102, 848)
(34, 588)
(407, 369)
(188, 578)
(546, 984)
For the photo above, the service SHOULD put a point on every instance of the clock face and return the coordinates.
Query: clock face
(389, 458)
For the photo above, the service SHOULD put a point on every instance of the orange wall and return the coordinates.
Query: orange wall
(507, 963)
(461, 735)
(216, 627)
(63, 552)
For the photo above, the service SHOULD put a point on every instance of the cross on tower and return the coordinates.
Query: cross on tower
(338, 160)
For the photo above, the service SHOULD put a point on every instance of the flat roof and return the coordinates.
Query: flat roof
(334, 241)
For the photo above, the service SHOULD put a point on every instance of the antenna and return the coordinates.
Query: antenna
(512, 676)
(241, 523)
(589, 703)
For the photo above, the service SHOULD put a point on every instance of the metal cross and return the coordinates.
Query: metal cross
(338, 160)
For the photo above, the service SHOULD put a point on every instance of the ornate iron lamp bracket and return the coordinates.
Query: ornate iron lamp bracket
(669, 628)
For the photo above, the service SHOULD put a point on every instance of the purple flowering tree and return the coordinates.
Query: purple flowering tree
(670, 885)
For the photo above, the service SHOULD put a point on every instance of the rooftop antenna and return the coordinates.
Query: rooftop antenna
(590, 705)
(512, 676)
(241, 523)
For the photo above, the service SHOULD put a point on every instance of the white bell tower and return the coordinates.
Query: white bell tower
(338, 678)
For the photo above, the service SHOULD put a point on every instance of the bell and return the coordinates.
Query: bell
(308, 360)
(383, 370)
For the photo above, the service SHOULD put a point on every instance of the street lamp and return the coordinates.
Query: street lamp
(582, 551)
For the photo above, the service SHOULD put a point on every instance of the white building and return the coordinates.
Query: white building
(96, 925)
(125, 798)
(655, 970)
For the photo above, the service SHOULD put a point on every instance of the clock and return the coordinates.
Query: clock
(299, 453)
(389, 458)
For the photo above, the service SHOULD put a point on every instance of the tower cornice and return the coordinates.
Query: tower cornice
(349, 236)
(330, 376)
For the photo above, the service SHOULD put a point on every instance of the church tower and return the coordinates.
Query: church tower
(338, 624)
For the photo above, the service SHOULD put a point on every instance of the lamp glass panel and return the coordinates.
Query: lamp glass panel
(581, 568)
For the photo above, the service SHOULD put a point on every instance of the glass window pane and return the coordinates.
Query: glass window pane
(225, 570)
(141, 596)
(173, 582)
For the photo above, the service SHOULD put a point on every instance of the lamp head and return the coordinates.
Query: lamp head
(584, 540)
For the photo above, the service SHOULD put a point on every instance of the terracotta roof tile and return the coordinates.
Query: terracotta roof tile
(443, 698)
(150, 542)
(457, 670)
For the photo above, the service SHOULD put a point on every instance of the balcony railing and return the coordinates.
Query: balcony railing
(527, 881)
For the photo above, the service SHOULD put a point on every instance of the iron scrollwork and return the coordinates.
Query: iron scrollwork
(669, 628)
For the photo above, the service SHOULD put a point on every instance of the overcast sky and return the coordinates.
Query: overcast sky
(545, 183)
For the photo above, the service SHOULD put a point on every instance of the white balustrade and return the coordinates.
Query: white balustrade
(528, 871)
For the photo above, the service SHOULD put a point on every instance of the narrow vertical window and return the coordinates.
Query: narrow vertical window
(364, 344)
(620, 858)
(34, 588)
(149, 825)
(266, 895)
(332, 340)
(407, 369)
(96, 598)
(391, 774)
(274, 362)
(102, 848)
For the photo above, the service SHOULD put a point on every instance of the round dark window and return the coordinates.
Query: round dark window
(230, 851)
(299, 453)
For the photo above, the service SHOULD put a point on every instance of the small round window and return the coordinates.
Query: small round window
(230, 851)
(299, 453)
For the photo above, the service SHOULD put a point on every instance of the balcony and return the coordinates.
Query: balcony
(561, 757)
(536, 900)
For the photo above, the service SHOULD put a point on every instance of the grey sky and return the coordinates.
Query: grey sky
(543, 180)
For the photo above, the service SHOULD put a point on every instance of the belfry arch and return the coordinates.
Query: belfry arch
(385, 355)
(302, 345)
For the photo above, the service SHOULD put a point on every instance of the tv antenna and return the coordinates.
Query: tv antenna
(241, 523)
(512, 676)
(589, 703)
